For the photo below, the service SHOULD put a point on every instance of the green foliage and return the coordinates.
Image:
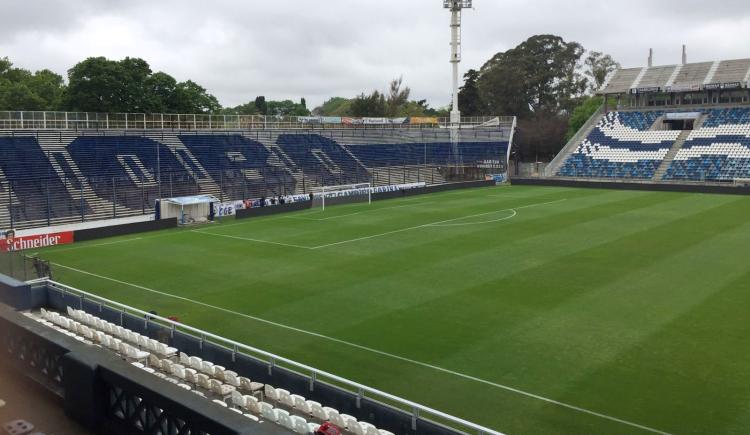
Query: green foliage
(335, 106)
(598, 67)
(581, 114)
(373, 105)
(261, 105)
(243, 109)
(287, 108)
(469, 100)
(128, 85)
(22, 90)
(540, 74)
(394, 104)
(190, 97)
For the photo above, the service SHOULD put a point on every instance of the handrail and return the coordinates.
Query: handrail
(42, 120)
(416, 409)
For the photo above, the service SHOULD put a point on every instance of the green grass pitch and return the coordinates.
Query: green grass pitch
(527, 309)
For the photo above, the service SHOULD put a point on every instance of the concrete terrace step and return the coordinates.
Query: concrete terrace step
(667, 162)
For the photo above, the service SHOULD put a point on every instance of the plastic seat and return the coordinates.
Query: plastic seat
(299, 425)
(203, 381)
(300, 404)
(238, 399)
(268, 412)
(252, 404)
(248, 386)
(285, 398)
(220, 389)
(271, 394)
(284, 418)
(317, 410)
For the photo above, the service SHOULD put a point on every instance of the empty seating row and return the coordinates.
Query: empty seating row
(719, 151)
(212, 381)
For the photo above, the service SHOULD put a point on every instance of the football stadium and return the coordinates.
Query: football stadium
(327, 272)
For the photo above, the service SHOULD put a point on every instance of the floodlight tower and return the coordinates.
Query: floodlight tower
(455, 6)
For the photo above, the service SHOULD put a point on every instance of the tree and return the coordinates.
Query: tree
(540, 74)
(397, 97)
(98, 84)
(286, 108)
(159, 89)
(189, 97)
(260, 104)
(243, 109)
(335, 106)
(373, 105)
(469, 100)
(22, 90)
(101, 85)
(598, 67)
(540, 136)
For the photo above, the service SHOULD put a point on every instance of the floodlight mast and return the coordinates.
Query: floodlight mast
(455, 6)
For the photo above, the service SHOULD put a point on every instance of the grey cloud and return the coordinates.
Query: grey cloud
(293, 48)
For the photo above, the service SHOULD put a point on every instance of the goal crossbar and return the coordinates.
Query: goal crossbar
(345, 190)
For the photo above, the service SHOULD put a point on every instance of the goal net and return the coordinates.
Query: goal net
(187, 209)
(342, 194)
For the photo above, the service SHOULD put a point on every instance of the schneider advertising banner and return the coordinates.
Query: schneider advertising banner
(9, 241)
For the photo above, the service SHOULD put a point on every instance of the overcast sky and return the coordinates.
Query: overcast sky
(301, 48)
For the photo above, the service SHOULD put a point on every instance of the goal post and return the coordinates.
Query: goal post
(342, 194)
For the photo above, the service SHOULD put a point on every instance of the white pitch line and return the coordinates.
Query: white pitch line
(491, 221)
(360, 212)
(378, 352)
(247, 239)
(431, 224)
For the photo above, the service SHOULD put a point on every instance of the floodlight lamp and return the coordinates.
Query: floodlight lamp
(456, 5)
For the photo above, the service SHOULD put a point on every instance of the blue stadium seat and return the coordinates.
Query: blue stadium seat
(33, 180)
(719, 151)
(621, 146)
(130, 163)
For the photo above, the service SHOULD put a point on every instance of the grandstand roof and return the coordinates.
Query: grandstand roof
(720, 74)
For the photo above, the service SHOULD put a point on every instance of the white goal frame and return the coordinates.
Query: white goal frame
(326, 191)
(188, 209)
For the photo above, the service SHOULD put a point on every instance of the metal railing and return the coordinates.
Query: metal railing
(23, 120)
(22, 267)
(417, 410)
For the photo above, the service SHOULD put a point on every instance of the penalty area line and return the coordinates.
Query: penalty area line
(376, 351)
(247, 239)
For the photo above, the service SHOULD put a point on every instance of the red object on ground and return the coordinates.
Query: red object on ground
(328, 429)
(174, 318)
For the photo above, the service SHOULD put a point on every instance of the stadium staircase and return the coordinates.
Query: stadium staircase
(54, 144)
(570, 147)
(667, 162)
(206, 184)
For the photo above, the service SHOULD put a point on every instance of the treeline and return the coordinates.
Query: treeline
(101, 85)
(129, 85)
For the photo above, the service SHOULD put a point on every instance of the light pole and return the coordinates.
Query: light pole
(455, 7)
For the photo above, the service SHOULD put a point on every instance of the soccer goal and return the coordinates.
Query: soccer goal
(187, 209)
(342, 194)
